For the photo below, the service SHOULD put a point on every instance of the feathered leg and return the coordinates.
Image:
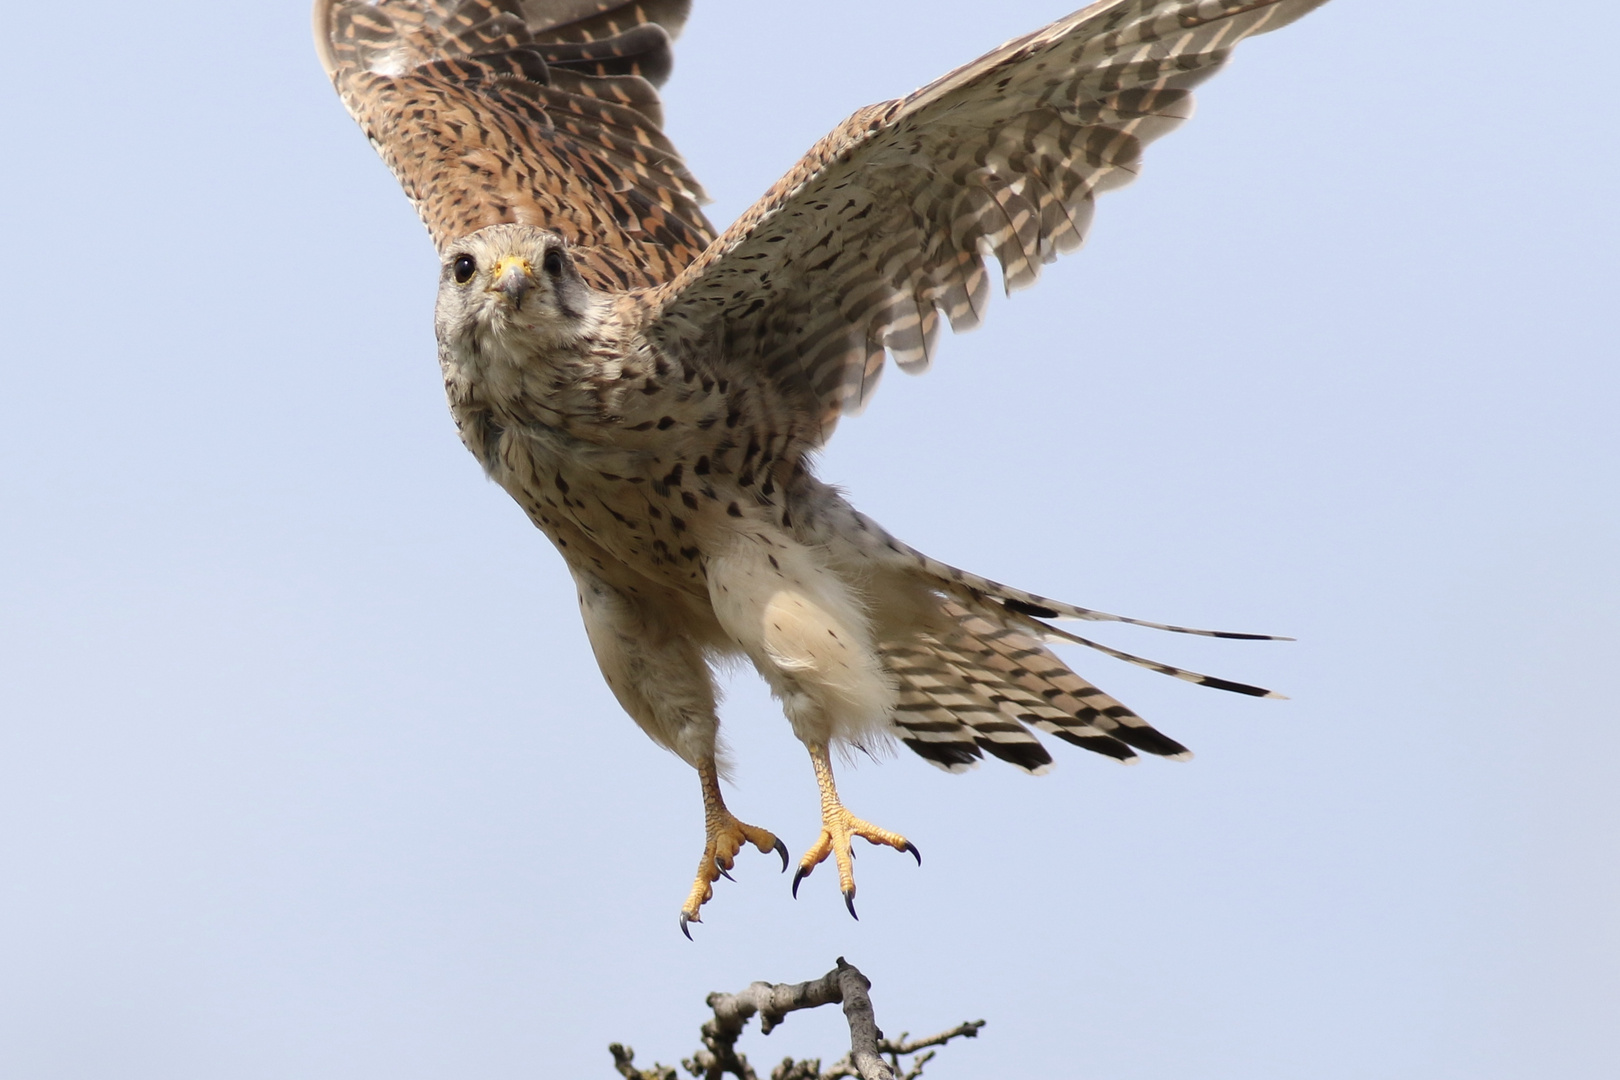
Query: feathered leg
(807, 632)
(660, 677)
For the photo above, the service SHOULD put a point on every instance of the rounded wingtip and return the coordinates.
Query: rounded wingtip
(321, 23)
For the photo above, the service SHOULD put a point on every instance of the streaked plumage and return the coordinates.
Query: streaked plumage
(649, 391)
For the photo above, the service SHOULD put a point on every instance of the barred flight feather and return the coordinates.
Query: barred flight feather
(544, 114)
(1001, 158)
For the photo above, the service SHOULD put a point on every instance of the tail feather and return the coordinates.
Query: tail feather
(949, 716)
(1072, 705)
(976, 676)
(977, 591)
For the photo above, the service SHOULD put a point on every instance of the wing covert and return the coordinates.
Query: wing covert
(882, 228)
(543, 112)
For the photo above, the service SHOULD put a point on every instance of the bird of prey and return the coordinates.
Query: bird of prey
(650, 390)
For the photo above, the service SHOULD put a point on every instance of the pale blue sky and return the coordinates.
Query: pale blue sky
(306, 770)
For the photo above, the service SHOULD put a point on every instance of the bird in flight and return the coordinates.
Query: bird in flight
(651, 391)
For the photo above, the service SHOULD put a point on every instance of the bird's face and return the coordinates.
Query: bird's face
(516, 284)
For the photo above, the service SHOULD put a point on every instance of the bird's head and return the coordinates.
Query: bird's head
(516, 283)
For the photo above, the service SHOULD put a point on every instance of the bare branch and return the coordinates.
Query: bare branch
(967, 1030)
(863, 1029)
(624, 1061)
(772, 1002)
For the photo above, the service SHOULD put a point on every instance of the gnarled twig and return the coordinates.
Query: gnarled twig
(772, 1002)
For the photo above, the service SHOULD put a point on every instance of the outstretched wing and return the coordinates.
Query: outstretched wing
(885, 223)
(543, 112)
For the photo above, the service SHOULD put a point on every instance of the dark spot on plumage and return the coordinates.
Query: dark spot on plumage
(768, 488)
(702, 466)
(732, 417)
(660, 367)
(689, 553)
(774, 564)
(562, 485)
(734, 510)
(655, 513)
(673, 477)
(787, 520)
(665, 423)
(689, 499)
(753, 448)
(707, 384)
(1235, 687)
(679, 524)
(650, 388)
(723, 384)
(1034, 611)
(746, 478)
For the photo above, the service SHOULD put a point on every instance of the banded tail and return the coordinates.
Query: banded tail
(975, 680)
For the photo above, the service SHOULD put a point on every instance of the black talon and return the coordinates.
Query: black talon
(723, 873)
(915, 854)
(684, 930)
(849, 902)
(800, 876)
(781, 849)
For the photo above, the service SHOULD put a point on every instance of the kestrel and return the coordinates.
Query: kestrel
(650, 392)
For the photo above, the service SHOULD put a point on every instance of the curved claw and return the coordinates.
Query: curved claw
(849, 902)
(684, 921)
(722, 870)
(915, 854)
(798, 877)
(781, 849)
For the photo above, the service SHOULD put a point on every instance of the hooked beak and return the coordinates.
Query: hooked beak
(513, 277)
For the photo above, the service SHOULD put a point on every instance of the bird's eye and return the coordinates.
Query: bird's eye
(464, 267)
(553, 263)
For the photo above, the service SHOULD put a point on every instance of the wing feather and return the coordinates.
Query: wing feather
(885, 224)
(544, 113)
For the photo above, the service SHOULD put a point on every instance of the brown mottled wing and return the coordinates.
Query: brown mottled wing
(884, 224)
(544, 113)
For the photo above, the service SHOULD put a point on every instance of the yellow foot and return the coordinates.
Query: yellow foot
(838, 825)
(724, 837)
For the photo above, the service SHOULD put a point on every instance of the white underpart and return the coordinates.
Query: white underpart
(808, 635)
(656, 671)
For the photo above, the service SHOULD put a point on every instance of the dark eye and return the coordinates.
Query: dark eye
(464, 267)
(553, 263)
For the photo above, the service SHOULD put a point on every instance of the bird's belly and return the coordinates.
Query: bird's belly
(632, 520)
